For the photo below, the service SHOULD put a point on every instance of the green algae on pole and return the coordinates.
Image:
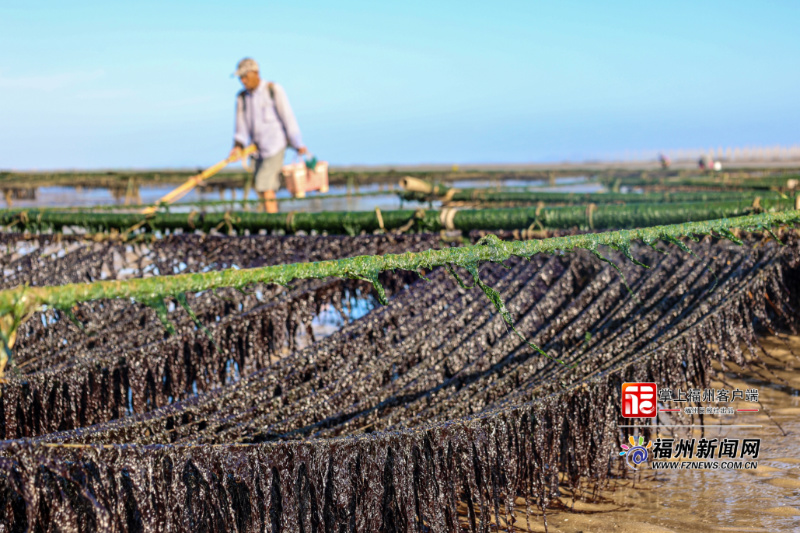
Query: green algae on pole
(496, 196)
(17, 304)
(786, 182)
(354, 222)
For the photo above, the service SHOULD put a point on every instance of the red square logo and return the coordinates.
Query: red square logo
(639, 400)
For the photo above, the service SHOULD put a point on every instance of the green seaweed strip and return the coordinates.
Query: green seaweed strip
(772, 234)
(72, 318)
(458, 279)
(605, 259)
(372, 277)
(157, 303)
(20, 302)
(501, 308)
(181, 298)
(730, 236)
(626, 251)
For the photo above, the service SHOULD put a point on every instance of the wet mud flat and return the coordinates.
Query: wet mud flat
(766, 499)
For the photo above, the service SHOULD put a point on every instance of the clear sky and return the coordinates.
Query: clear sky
(147, 84)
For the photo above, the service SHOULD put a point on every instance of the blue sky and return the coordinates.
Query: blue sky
(147, 84)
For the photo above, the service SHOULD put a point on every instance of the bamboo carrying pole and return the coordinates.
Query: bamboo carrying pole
(194, 181)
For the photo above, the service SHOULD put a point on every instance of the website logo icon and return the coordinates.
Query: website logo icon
(639, 400)
(636, 453)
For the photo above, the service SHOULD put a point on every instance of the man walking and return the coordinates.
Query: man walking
(263, 115)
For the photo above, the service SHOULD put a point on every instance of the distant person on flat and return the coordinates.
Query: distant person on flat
(263, 116)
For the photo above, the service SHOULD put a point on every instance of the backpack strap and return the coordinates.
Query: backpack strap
(240, 98)
(270, 88)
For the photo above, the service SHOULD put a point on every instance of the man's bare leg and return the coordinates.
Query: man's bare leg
(269, 201)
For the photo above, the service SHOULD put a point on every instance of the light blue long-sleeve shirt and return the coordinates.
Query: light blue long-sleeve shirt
(269, 124)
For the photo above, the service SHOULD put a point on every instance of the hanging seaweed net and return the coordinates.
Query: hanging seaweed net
(397, 421)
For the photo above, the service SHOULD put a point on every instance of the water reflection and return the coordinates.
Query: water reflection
(339, 197)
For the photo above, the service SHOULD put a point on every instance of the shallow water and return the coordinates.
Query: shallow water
(380, 195)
